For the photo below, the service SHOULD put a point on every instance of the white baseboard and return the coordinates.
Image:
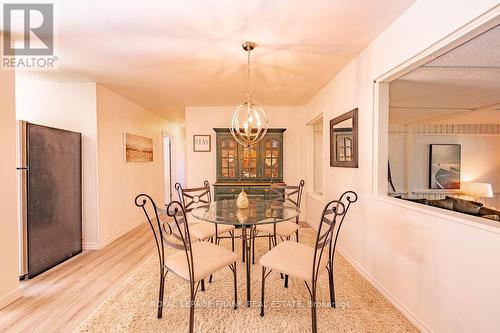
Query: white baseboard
(10, 297)
(421, 326)
(119, 234)
(87, 246)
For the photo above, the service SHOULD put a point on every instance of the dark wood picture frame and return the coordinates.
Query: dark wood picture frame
(355, 151)
(459, 156)
(202, 150)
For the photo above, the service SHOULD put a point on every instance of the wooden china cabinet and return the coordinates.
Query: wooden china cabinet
(252, 169)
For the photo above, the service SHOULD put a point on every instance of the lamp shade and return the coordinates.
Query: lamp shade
(478, 190)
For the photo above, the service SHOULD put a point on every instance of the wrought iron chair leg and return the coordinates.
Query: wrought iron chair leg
(297, 231)
(313, 312)
(286, 281)
(231, 233)
(331, 284)
(235, 288)
(210, 278)
(269, 243)
(262, 291)
(203, 285)
(243, 249)
(160, 296)
(253, 249)
(191, 312)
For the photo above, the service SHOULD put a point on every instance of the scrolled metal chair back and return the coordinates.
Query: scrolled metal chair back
(150, 210)
(169, 228)
(347, 198)
(191, 198)
(324, 235)
(289, 194)
(178, 236)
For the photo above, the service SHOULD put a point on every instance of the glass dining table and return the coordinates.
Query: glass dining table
(259, 211)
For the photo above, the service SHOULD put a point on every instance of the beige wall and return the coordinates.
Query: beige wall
(9, 259)
(202, 120)
(441, 272)
(120, 182)
(109, 184)
(70, 106)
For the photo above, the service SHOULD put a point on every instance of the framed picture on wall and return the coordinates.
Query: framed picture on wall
(202, 143)
(138, 148)
(444, 166)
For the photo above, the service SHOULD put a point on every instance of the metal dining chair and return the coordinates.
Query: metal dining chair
(288, 194)
(291, 195)
(347, 198)
(193, 262)
(304, 262)
(192, 198)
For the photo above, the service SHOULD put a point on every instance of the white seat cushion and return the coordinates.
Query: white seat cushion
(204, 230)
(292, 258)
(283, 229)
(208, 258)
(192, 220)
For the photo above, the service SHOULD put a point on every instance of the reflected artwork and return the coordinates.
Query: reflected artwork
(445, 166)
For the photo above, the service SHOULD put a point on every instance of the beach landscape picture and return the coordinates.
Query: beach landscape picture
(138, 148)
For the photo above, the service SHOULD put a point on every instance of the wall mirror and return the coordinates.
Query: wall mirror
(344, 140)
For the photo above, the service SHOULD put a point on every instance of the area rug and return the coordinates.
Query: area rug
(132, 308)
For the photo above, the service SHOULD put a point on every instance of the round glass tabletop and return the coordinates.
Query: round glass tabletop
(259, 211)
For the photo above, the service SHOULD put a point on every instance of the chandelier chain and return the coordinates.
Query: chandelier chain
(248, 74)
(250, 123)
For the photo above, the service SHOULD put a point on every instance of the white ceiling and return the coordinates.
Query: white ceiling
(166, 55)
(462, 85)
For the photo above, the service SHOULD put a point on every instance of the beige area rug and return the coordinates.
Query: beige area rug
(132, 308)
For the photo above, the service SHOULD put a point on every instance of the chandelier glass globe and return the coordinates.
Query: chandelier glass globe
(249, 123)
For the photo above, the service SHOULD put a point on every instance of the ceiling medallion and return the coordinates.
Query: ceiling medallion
(249, 124)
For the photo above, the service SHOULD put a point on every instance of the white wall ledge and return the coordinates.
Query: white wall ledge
(469, 220)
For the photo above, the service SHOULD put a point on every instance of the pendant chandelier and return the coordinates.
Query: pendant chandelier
(249, 123)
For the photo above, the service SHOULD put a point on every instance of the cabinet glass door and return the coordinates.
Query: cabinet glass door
(228, 148)
(272, 158)
(249, 163)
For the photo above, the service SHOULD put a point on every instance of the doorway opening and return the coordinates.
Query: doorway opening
(315, 129)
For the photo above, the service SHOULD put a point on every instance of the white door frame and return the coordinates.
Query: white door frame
(168, 170)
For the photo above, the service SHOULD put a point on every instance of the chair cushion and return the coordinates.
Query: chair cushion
(204, 230)
(293, 259)
(207, 257)
(283, 229)
(191, 219)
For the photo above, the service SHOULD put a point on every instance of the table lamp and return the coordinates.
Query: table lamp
(478, 190)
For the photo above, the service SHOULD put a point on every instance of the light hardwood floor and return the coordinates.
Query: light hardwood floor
(61, 298)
